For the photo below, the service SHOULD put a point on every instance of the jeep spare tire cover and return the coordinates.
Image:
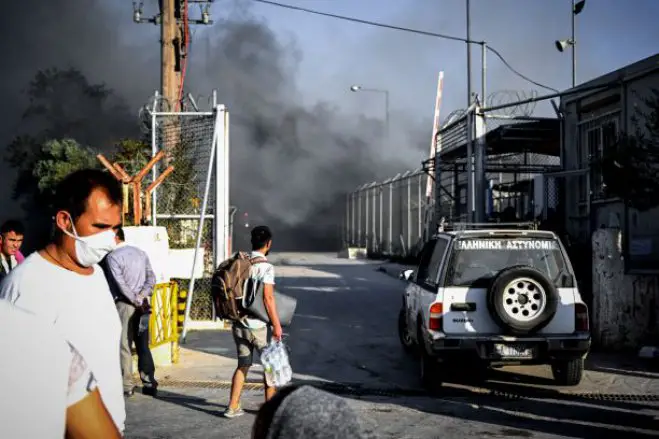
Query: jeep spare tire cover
(522, 300)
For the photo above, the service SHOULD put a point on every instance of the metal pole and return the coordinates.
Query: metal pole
(373, 232)
(484, 73)
(381, 232)
(353, 233)
(202, 217)
(470, 169)
(418, 203)
(391, 217)
(366, 222)
(346, 233)
(574, 48)
(409, 214)
(154, 151)
(359, 218)
(468, 53)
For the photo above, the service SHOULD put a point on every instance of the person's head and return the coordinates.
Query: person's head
(121, 236)
(87, 211)
(261, 239)
(11, 237)
(306, 412)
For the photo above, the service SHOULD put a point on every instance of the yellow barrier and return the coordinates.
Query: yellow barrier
(163, 324)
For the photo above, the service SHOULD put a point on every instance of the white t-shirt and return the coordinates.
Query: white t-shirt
(263, 272)
(83, 313)
(40, 376)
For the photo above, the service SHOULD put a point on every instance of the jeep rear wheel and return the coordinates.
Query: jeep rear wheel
(568, 372)
(430, 370)
(522, 300)
(404, 333)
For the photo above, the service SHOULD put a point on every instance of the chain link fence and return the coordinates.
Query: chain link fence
(387, 218)
(186, 139)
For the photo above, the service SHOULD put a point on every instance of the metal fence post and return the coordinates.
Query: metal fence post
(470, 168)
(373, 217)
(479, 165)
(366, 216)
(380, 232)
(391, 216)
(418, 203)
(154, 151)
(354, 219)
(409, 214)
(359, 217)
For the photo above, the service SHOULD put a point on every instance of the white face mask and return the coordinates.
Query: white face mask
(92, 249)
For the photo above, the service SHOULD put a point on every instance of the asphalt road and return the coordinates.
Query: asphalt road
(345, 332)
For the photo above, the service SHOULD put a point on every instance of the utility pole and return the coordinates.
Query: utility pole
(468, 54)
(170, 54)
(174, 22)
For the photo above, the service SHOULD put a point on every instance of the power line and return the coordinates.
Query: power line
(505, 63)
(408, 30)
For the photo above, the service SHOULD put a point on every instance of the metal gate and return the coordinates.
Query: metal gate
(490, 167)
(193, 202)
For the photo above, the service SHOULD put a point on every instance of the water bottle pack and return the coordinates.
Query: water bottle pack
(276, 365)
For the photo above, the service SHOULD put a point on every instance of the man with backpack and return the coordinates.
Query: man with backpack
(233, 278)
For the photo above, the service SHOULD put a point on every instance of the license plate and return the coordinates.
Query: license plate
(513, 351)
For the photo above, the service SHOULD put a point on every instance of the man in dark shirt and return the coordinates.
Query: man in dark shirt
(131, 281)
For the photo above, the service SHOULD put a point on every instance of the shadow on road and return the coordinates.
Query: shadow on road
(344, 339)
(194, 403)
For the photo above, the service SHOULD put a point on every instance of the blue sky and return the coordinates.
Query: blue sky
(334, 54)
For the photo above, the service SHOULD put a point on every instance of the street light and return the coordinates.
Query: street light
(358, 88)
(561, 45)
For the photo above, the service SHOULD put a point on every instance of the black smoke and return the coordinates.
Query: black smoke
(291, 165)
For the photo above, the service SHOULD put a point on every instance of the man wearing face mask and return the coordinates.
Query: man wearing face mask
(63, 284)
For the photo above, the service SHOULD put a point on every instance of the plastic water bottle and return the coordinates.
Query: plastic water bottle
(270, 378)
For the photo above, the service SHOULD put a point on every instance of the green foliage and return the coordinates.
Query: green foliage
(132, 155)
(57, 159)
(631, 168)
(63, 104)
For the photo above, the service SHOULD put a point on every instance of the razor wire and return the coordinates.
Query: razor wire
(505, 97)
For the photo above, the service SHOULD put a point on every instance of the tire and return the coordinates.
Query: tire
(430, 371)
(522, 300)
(403, 333)
(568, 372)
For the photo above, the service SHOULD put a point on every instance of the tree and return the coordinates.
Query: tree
(63, 104)
(58, 159)
(132, 155)
(630, 169)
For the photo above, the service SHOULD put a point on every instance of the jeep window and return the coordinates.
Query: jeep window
(435, 262)
(474, 262)
(424, 260)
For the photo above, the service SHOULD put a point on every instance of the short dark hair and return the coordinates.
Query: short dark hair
(260, 237)
(71, 194)
(266, 413)
(120, 234)
(12, 225)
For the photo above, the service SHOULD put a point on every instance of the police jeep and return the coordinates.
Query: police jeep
(494, 294)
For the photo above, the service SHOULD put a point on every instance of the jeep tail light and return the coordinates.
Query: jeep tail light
(435, 320)
(581, 323)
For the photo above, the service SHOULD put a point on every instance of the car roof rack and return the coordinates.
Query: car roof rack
(460, 226)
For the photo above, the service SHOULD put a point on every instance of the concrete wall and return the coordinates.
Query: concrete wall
(625, 307)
